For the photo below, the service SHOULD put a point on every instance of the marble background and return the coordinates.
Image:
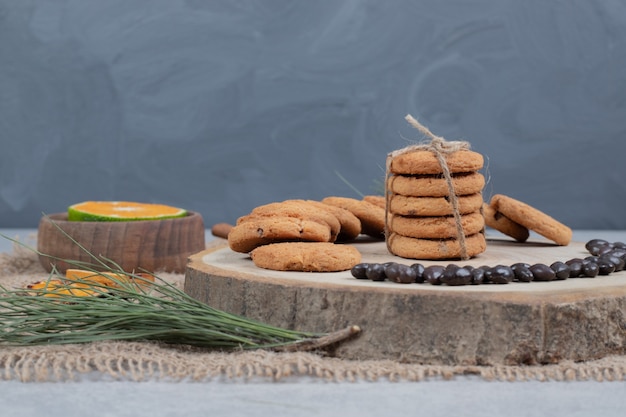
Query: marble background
(219, 106)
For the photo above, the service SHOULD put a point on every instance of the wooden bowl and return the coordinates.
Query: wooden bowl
(152, 245)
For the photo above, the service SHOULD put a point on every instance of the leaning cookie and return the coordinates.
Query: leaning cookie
(377, 200)
(372, 216)
(532, 219)
(350, 224)
(246, 236)
(432, 249)
(306, 256)
(503, 224)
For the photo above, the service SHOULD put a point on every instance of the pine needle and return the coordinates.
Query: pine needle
(135, 309)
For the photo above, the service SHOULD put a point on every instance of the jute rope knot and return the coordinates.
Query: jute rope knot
(440, 148)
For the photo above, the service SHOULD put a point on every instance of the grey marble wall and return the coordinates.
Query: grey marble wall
(218, 106)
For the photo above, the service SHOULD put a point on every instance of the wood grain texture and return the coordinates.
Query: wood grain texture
(519, 323)
(153, 245)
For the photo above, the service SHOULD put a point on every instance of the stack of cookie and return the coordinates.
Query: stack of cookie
(420, 216)
(299, 235)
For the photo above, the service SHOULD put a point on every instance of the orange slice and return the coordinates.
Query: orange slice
(44, 285)
(75, 290)
(107, 279)
(84, 283)
(57, 288)
(110, 211)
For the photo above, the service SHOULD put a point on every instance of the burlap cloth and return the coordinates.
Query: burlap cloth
(138, 361)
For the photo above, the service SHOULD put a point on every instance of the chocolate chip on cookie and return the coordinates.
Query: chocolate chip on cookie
(299, 209)
(503, 224)
(248, 235)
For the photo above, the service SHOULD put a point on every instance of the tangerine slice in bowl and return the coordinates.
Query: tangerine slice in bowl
(108, 279)
(115, 211)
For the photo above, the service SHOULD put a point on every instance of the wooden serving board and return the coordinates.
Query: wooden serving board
(517, 323)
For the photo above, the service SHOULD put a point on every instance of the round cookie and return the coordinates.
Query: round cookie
(377, 200)
(372, 217)
(299, 209)
(532, 219)
(433, 206)
(249, 235)
(503, 224)
(221, 230)
(425, 162)
(350, 224)
(431, 249)
(435, 185)
(439, 227)
(306, 256)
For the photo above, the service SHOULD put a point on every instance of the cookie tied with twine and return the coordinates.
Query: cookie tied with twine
(437, 158)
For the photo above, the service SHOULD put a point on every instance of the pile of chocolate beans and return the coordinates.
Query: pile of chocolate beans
(604, 258)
